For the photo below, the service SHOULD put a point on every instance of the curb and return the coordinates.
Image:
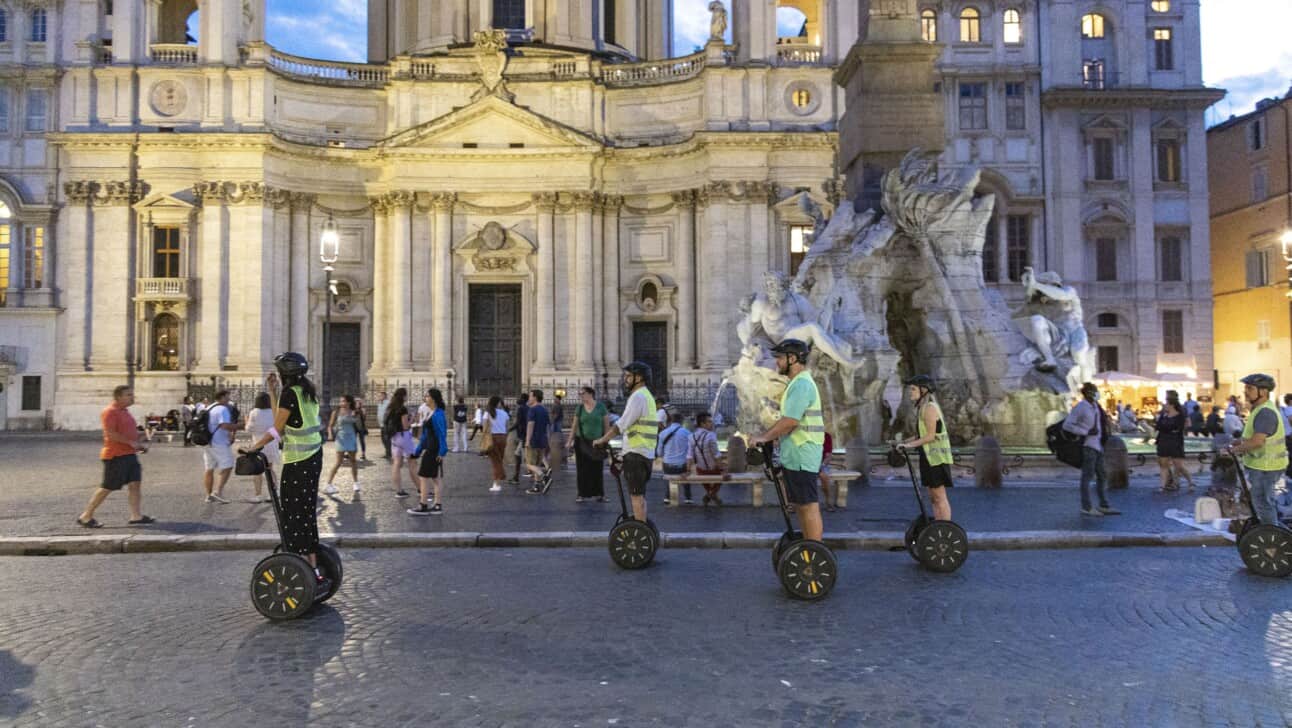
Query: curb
(857, 541)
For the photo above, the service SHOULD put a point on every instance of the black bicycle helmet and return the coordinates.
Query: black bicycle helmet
(640, 368)
(1260, 381)
(291, 364)
(794, 347)
(921, 380)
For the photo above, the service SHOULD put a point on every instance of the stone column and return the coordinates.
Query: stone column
(212, 272)
(715, 301)
(684, 202)
(302, 204)
(598, 281)
(422, 231)
(610, 307)
(74, 246)
(545, 208)
(401, 257)
(380, 285)
(582, 284)
(442, 308)
(111, 277)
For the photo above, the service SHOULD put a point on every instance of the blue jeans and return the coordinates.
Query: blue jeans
(678, 470)
(1092, 468)
(1262, 483)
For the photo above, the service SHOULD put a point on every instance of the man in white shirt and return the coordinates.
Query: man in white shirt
(217, 457)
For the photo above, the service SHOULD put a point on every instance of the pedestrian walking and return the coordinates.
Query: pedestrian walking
(187, 412)
(1232, 407)
(1263, 446)
(704, 457)
(801, 431)
(1215, 423)
(343, 427)
(516, 442)
(1197, 421)
(827, 452)
(217, 456)
(460, 425)
(495, 429)
(641, 433)
(591, 420)
(259, 422)
(383, 404)
(399, 424)
(1233, 424)
(1170, 445)
(298, 425)
(1287, 428)
(361, 429)
(674, 445)
(934, 442)
(120, 456)
(1085, 420)
(538, 429)
(431, 448)
(476, 424)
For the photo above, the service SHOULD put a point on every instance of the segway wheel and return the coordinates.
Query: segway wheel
(282, 586)
(329, 562)
(633, 544)
(654, 528)
(913, 533)
(808, 570)
(1267, 550)
(785, 540)
(942, 546)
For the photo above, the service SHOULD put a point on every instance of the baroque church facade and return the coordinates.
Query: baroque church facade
(536, 191)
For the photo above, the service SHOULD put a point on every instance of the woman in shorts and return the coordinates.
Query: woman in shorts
(400, 427)
(344, 427)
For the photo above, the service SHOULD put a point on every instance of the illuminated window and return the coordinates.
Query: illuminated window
(165, 343)
(166, 252)
(1161, 6)
(929, 25)
(970, 26)
(33, 268)
(4, 257)
(802, 98)
(1013, 26)
(1168, 160)
(800, 243)
(1163, 50)
(1092, 26)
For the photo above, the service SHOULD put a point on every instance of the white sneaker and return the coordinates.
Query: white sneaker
(495, 488)
(213, 498)
(330, 489)
(356, 487)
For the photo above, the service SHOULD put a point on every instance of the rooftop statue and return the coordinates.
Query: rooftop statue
(717, 21)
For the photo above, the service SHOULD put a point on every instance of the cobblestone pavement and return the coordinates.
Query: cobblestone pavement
(47, 480)
(1133, 637)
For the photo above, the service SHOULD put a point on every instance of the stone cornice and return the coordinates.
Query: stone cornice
(685, 199)
(545, 201)
(738, 191)
(1131, 98)
(104, 194)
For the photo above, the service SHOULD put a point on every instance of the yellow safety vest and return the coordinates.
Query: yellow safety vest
(643, 433)
(810, 429)
(299, 443)
(937, 452)
(1273, 455)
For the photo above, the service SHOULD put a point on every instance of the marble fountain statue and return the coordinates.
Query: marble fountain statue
(881, 297)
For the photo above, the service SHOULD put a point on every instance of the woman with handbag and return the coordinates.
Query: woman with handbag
(400, 426)
(591, 420)
(495, 427)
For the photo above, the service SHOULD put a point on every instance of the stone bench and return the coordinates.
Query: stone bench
(839, 479)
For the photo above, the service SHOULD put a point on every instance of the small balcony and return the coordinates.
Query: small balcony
(173, 54)
(163, 289)
(797, 54)
(1099, 78)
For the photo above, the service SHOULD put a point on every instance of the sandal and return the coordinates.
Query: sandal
(142, 521)
(829, 509)
(92, 523)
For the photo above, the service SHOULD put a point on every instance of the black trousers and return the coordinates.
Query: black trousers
(385, 441)
(589, 478)
(299, 504)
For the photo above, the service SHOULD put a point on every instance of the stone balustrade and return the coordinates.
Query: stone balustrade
(176, 54)
(796, 54)
(350, 74)
(162, 289)
(652, 72)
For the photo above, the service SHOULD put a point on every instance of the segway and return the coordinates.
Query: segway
(1266, 549)
(283, 585)
(632, 543)
(807, 569)
(940, 546)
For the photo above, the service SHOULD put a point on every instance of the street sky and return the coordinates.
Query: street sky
(1245, 49)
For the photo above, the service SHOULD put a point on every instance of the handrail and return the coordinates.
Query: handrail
(360, 74)
(671, 69)
(797, 54)
(173, 53)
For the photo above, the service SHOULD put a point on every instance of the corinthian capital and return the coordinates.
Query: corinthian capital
(583, 200)
(442, 201)
(400, 198)
(685, 198)
(117, 193)
(303, 200)
(80, 191)
(545, 201)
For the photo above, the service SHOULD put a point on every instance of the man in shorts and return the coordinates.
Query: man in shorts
(121, 467)
(1263, 447)
(801, 430)
(217, 456)
(538, 425)
(641, 433)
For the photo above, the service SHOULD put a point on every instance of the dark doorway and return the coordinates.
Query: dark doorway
(650, 345)
(495, 339)
(342, 369)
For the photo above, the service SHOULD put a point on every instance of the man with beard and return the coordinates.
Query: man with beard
(641, 432)
(801, 430)
(1263, 447)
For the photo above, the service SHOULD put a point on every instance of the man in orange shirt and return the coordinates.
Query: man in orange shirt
(120, 460)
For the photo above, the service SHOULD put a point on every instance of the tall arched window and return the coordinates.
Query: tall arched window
(929, 25)
(165, 343)
(1092, 26)
(4, 25)
(1013, 26)
(39, 31)
(6, 250)
(970, 26)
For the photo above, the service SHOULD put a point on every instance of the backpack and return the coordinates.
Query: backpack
(201, 428)
(1067, 447)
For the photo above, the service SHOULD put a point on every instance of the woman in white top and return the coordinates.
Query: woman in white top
(260, 422)
(495, 423)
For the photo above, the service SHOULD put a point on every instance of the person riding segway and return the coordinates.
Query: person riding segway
(640, 431)
(1264, 543)
(302, 572)
(937, 543)
(807, 568)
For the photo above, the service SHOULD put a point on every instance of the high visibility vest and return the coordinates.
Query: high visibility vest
(937, 452)
(643, 434)
(811, 429)
(1273, 455)
(299, 443)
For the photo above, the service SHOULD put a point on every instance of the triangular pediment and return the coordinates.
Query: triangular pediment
(180, 200)
(491, 123)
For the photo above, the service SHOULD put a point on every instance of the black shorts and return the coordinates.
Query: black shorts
(932, 476)
(430, 466)
(637, 473)
(121, 471)
(802, 487)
